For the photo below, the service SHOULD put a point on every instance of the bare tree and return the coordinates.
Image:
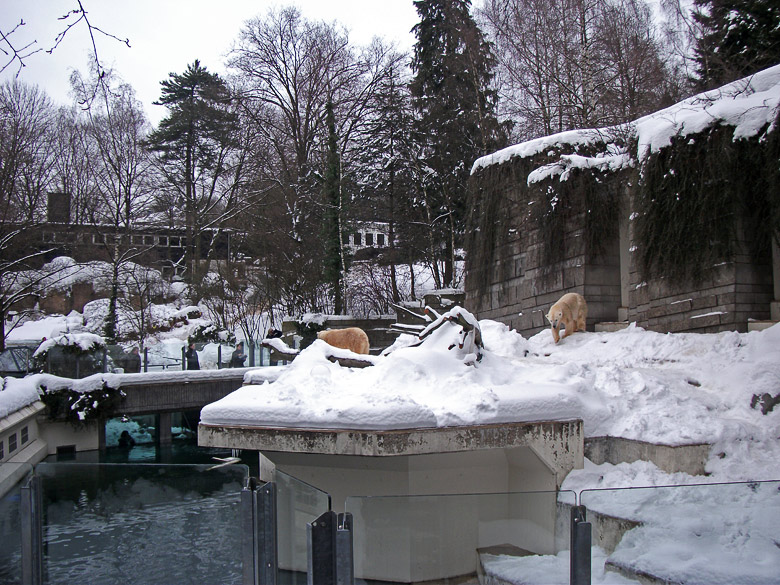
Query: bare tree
(74, 165)
(290, 70)
(577, 63)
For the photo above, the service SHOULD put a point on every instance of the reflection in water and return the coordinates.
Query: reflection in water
(112, 523)
(141, 523)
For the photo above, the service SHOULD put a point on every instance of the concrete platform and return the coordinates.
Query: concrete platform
(559, 444)
(690, 459)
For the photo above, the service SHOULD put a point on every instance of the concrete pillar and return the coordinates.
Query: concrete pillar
(164, 428)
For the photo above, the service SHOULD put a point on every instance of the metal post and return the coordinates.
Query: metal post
(31, 508)
(249, 538)
(581, 542)
(183, 359)
(321, 550)
(267, 549)
(251, 345)
(258, 526)
(146, 359)
(345, 568)
(219, 356)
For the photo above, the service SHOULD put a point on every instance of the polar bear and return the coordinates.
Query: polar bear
(570, 311)
(351, 338)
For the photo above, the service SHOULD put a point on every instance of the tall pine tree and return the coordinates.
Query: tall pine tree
(739, 38)
(194, 142)
(452, 65)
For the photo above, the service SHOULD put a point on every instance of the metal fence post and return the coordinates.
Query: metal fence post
(581, 542)
(146, 359)
(248, 535)
(219, 356)
(321, 550)
(183, 359)
(258, 528)
(345, 568)
(329, 551)
(268, 551)
(31, 508)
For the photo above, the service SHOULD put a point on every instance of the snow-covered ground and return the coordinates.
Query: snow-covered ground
(674, 389)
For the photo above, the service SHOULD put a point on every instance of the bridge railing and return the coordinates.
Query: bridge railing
(157, 358)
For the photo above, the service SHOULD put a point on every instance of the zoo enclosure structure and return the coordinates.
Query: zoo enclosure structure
(672, 221)
(244, 530)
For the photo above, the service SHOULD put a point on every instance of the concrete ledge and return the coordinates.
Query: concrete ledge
(760, 325)
(560, 444)
(689, 459)
(14, 469)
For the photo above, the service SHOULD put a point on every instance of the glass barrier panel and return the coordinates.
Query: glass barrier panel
(297, 504)
(701, 533)
(452, 539)
(12, 477)
(121, 523)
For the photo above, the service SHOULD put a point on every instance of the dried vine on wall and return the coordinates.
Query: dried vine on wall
(690, 197)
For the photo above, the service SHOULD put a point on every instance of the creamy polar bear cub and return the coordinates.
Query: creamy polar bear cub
(351, 338)
(570, 311)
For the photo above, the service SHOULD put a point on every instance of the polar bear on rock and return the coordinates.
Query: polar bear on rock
(570, 311)
(352, 338)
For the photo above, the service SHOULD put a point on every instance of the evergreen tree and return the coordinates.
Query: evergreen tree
(453, 65)
(194, 143)
(739, 37)
(387, 179)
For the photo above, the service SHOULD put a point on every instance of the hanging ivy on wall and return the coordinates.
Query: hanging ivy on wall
(592, 194)
(690, 197)
(492, 191)
(503, 202)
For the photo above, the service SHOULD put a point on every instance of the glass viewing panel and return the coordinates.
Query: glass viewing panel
(703, 533)
(122, 523)
(298, 504)
(450, 538)
(12, 477)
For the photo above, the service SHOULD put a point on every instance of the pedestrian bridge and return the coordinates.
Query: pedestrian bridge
(173, 391)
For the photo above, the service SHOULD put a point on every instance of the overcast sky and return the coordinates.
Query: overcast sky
(167, 35)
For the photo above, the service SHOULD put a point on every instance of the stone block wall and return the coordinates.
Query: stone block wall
(516, 286)
(521, 283)
(734, 293)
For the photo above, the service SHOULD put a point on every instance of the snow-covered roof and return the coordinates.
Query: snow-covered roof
(749, 105)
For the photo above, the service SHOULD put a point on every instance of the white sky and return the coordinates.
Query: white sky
(167, 35)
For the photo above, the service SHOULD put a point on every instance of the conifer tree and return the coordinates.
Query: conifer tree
(194, 142)
(452, 64)
(739, 38)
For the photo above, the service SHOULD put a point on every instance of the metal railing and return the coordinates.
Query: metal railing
(288, 532)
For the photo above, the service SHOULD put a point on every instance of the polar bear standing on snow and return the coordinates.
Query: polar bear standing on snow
(570, 311)
(351, 338)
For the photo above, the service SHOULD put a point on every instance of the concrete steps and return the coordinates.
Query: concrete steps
(608, 530)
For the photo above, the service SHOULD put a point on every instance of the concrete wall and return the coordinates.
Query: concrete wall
(428, 514)
(736, 292)
(522, 287)
(65, 434)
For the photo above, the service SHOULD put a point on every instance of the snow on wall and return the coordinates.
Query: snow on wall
(749, 105)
